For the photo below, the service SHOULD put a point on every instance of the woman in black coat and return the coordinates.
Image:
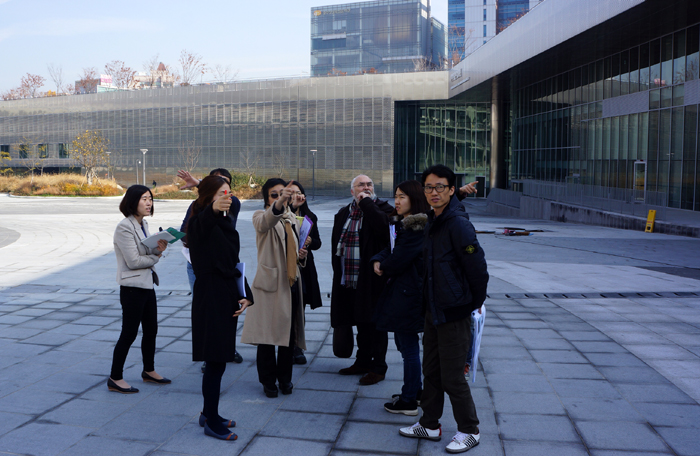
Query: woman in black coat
(217, 303)
(399, 308)
(309, 276)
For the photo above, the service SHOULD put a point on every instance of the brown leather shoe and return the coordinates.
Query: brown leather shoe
(353, 370)
(371, 378)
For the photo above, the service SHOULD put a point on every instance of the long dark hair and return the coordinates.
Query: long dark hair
(130, 201)
(414, 190)
(268, 185)
(207, 190)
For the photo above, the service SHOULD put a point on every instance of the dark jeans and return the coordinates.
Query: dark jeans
(280, 369)
(138, 307)
(211, 389)
(445, 348)
(407, 344)
(371, 348)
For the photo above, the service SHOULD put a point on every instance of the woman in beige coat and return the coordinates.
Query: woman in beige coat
(277, 319)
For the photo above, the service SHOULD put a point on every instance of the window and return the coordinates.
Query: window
(484, 14)
(24, 150)
(62, 151)
(43, 150)
(5, 152)
(484, 2)
(484, 30)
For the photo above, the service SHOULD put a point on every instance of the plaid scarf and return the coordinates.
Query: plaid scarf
(349, 246)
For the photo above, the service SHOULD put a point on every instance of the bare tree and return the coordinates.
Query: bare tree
(90, 150)
(421, 64)
(88, 81)
(122, 75)
(30, 85)
(279, 163)
(32, 154)
(11, 94)
(151, 67)
(191, 66)
(224, 74)
(457, 47)
(189, 153)
(507, 23)
(249, 163)
(56, 74)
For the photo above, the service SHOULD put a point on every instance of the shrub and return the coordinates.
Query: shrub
(58, 185)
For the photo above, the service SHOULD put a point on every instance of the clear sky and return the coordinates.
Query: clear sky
(259, 38)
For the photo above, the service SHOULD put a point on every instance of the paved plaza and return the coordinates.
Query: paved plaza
(591, 347)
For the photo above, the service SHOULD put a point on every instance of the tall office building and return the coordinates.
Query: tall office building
(384, 36)
(473, 22)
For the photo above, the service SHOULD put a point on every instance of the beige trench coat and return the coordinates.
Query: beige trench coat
(269, 321)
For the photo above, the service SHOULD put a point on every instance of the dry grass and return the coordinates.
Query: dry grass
(240, 189)
(58, 185)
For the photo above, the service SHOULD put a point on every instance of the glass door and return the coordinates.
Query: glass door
(640, 181)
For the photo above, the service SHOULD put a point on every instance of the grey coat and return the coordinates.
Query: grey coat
(134, 260)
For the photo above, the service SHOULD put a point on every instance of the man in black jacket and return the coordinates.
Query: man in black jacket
(360, 231)
(454, 285)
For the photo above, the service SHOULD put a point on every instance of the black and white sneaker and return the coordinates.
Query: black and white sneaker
(462, 442)
(419, 432)
(398, 405)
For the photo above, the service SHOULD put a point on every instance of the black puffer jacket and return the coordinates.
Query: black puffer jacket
(399, 307)
(455, 267)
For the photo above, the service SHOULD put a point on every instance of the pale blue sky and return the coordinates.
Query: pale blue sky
(260, 38)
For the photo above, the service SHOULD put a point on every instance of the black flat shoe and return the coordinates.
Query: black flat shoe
(237, 358)
(230, 436)
(118, 389)
(147, 378)
(225, 422)
(270, 390)
(287, 389)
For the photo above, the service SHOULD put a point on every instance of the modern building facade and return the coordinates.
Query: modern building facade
(382, 36)
(600, 111)
(471, 23)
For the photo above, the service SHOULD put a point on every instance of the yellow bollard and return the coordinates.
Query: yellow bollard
(650, 222)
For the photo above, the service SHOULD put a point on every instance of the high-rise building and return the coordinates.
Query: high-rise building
(383, 36)
(472, 23)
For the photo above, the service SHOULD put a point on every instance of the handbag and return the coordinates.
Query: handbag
(343, 342)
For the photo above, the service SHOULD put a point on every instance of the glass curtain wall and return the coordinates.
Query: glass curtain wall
(593, 123)
(457, 135)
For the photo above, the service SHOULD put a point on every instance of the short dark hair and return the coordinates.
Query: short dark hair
(440, 171)
(130, 201)
(207, 190)
(414, 190)
(222, 172)
(268, 185)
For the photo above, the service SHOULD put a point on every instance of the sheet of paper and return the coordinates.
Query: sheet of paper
(241, 280)
(152, 240)
(392, 236)
(186, 254)
(478, 324)
(305, 230)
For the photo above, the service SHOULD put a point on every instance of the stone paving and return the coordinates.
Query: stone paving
(591, 346)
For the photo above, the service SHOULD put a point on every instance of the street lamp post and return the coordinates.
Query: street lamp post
(109, 162)
(313, 175)
(137, 173)
(143, 151)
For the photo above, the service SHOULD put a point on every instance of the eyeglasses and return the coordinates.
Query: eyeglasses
(364, 184)
(439, 188)
(274, 195)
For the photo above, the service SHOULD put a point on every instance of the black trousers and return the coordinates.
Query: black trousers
(270, 369)
(445, 348)
(211, 389)
(138, 308)
(371, 348)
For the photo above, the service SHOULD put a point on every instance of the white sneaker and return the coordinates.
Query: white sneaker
(419, 432)
(462, 442)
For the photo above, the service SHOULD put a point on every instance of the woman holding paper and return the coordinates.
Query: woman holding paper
(399, 307)
(217, 301)
(277, 320)
(309, 276)
(136, 276)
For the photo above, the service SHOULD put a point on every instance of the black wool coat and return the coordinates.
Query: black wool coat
(309, 276)
(400, 306)
(348, 308)
(214, 249)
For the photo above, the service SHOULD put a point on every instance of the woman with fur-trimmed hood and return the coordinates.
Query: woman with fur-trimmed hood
(399, 308)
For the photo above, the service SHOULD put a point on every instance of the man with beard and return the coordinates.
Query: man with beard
(360, 230)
